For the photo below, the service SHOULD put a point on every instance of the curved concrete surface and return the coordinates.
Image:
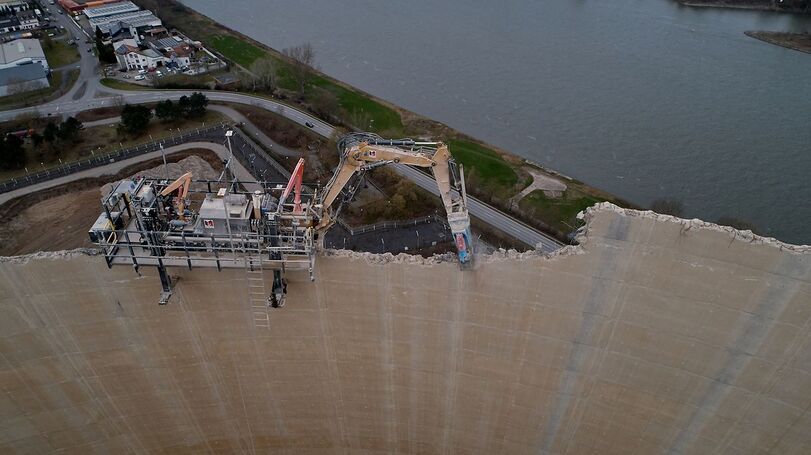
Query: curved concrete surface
(658, 335)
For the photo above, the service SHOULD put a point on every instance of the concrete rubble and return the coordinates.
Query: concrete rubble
(654, 335)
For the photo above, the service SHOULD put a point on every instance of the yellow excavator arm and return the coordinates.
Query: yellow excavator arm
(182, 185)
(371, 151)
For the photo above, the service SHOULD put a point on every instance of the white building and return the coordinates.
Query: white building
(22, 52)
(7, 6)
(28, 20)
(132, 58)
(174, 49)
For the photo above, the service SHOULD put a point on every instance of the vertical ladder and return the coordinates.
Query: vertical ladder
(257, 293)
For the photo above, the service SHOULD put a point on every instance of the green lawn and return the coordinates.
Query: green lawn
(360, 108)
(558, 213)
(232, 48)
(121, 85)
(491, 171)
(357, 107)
(60, 54)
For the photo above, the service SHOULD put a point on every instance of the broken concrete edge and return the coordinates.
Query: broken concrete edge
(500, 254)
(52, 255)
(686, 226)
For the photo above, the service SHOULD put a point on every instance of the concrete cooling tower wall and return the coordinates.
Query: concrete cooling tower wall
(657, 335)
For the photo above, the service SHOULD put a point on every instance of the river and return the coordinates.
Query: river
(642, 99)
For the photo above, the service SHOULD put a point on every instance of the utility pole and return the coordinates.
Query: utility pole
(165, 169)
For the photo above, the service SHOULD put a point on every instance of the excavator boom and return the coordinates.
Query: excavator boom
(363, 151)
(182, 185)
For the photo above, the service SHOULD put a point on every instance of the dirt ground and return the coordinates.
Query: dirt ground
(50, 225)
(59, 218)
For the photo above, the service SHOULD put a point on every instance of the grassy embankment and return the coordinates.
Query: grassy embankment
(356, 107)
(93, 141)
(121, 85)
(496, 176)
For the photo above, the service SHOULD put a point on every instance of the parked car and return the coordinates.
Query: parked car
(139, 77)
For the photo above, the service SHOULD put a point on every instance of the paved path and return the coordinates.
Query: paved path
(90, 94)
(113, 168)
(488, 214)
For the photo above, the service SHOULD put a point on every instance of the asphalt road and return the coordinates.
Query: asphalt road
(88, 93)
(505, 223)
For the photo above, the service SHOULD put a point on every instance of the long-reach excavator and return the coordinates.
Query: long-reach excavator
(182, 186)
(362, 152)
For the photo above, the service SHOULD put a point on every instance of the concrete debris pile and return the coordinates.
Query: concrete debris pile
(200, 169)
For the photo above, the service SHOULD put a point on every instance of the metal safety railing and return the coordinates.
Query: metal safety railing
(214, 133)
(387, 225)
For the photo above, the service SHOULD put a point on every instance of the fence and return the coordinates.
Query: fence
(214, 133)
(386, 225)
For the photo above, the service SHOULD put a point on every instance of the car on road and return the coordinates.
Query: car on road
(89, 49)
(309, 124)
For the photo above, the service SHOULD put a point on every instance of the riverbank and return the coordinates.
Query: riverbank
(494, 175)
(787, 6)
(796, 41)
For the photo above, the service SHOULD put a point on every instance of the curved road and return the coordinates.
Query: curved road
(88, 93)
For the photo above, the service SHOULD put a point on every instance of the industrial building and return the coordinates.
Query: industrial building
(23, 67)
(23, 78)
(77, 6)
(13, 6)
(134, 19)
(110, 9)
(22, 52)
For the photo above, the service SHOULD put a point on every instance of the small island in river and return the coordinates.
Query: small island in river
(797, 41)
(787, 6)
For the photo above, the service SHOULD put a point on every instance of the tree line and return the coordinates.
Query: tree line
(54, 136)
(135, 118)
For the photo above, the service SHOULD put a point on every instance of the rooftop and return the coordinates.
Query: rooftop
(122, 17)
(22, 73)
(19, 49)
(110, 9)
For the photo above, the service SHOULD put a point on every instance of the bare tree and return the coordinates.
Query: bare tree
(303, 63)
(264, 74)
(325, 104)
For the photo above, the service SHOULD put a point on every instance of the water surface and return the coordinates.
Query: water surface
(642, 99)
